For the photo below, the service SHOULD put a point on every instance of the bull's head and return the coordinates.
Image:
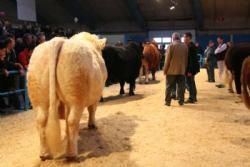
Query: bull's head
(92, 38)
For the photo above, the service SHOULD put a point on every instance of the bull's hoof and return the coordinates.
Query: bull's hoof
(92, 127)
(74, 159)
(131, 93)
(102, 100)
(230, 91)
(146, 82)
(44, 158)
(122, 92)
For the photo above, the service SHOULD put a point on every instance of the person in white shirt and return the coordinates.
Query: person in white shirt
(220, 53)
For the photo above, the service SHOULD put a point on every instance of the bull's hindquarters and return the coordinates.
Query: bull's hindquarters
(144, 70)
(245, 79)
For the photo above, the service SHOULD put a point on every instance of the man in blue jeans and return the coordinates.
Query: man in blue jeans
(193, 68)
(175, 69)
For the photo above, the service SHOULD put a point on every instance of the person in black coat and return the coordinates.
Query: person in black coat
(192, 69)
(3, 71)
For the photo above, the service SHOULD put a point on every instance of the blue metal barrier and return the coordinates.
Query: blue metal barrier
(201, 60)
(24, 91)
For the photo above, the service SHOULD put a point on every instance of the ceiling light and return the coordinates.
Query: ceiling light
(173, 4)
(172, 7)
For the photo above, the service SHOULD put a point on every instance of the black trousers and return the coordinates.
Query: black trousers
(172, 81)
(237, 82)
(210, 72)
(192, 88)
(174, 91)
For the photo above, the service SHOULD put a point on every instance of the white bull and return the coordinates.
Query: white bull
(70, 72)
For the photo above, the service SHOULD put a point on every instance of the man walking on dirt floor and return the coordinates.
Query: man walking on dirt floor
(175, 68)
(192, 69)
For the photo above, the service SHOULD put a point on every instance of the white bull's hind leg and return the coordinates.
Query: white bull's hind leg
(92, 110)
(147, 74)
(141, 74)
(73, 121)
(41, 120)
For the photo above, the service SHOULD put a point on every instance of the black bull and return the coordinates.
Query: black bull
(234, 59)
(123, 64)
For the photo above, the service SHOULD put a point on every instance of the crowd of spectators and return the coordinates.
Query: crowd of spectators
(16, 45)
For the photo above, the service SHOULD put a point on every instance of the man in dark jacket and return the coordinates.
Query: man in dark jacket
(162, 51)
(210, 61)
(3, 71)
(192, 69)
(12, 64)
(11, 57)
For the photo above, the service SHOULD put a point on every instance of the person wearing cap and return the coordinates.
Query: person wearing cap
(210, 60)
(175, 68)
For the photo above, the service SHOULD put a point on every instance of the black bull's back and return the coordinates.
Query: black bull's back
(123, 64)
(234, 59)
(236, 55)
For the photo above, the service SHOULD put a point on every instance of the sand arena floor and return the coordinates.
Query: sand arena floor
(140, 131)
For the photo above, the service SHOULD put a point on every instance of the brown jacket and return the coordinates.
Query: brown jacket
(176, 59)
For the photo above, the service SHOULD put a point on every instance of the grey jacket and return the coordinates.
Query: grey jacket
(209, 54)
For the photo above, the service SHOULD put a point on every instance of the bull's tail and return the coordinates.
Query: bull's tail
(245, 79)
(53, 130)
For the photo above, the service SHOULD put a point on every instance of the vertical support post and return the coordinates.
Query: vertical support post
(26, 98)
(231, 38)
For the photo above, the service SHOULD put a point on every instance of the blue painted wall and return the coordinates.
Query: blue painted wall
(168, 33)
(204, 39)
(241, 38)
(136, 37)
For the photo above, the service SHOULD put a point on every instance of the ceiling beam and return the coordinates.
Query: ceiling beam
(136, 13)
(76, 10)
(197, 13)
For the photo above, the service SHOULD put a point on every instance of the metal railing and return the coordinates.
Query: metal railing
(201, 60)
(18, 91)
